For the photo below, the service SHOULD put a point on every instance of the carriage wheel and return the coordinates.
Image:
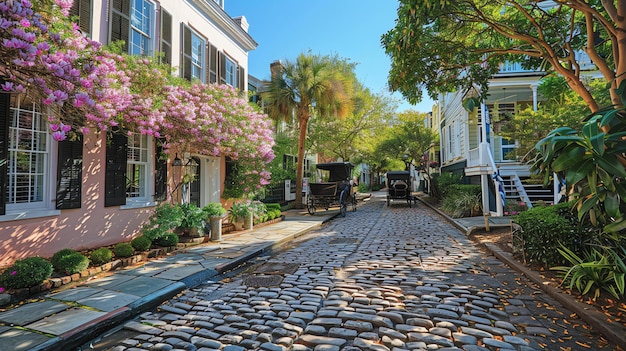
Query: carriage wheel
(310, 207)
(343, 203)
(388, 201)
(408, 201)
(353, 202)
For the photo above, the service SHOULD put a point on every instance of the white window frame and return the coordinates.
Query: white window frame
(198, 59)
(231, 72)
(45, 206)
(146, 146)
(139, 27)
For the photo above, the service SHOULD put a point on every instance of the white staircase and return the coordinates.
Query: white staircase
(520, 189)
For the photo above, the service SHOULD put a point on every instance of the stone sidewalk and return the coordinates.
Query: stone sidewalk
(63, 320)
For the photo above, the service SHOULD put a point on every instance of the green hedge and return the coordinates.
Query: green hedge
(72, 263)
(56, 258)
(545, 228)
(123, 250)
(101, 256)
(26, 273)
(142, 243)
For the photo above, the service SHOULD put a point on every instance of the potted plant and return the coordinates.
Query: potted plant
(215, 212)
(192, 223)
(239, 212)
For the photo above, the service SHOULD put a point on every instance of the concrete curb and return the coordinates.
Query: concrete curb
(587, 313)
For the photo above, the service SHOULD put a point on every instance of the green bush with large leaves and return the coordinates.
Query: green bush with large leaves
(592, 162)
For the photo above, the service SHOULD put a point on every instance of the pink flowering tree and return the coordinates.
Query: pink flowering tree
(86, 86)
(49, 58)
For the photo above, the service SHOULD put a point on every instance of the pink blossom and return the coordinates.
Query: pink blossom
(59, 136)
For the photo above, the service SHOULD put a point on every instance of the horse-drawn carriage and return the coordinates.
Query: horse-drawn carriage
(337, 190)
(399, 186)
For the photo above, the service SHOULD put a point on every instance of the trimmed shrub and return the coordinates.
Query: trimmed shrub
(273, 206)
(167, 240)
(26, 273)
(142, 243)
(58, 256)
(544, 229)
(101, 256)
(123, 250)
(72, 263)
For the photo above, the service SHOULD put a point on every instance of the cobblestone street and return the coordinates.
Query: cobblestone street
(382, 278)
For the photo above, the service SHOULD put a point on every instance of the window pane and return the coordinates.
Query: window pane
(28, 152)
(136, 176)
(141, 20)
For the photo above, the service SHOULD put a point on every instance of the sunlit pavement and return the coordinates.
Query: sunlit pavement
(382, 278)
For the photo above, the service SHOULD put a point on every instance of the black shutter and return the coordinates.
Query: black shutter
(82, 9)
(160, 176)
(5, 114)
(166, 37)
(186, 60)
(241, 78)
(115, 170)
(69, 173)
(212, 64)
(120, 22)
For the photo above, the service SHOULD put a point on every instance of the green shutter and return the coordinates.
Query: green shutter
(69, 174)
(115, 170)
(5, 113)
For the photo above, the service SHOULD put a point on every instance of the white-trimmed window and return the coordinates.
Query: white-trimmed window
(197, 56)
(138, 169)
(142, 22)
(28, 171)
(133, 22)
(231, 72)
(194, 55)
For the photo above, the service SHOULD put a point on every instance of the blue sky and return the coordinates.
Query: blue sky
(349, 28)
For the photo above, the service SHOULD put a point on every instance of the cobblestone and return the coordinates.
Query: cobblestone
(381, 279)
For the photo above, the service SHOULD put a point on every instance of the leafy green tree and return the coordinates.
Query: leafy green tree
(561, 107)
(409, 137)
(311, 84)
(342, 139)
(443, 45)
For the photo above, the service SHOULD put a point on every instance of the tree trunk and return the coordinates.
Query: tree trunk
(303, 121)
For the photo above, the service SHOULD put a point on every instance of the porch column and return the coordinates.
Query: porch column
(533, 87)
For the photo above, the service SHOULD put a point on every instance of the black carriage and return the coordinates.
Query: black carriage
(338, 190)
(399, 186)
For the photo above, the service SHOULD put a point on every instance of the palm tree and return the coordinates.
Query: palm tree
(312, 84)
